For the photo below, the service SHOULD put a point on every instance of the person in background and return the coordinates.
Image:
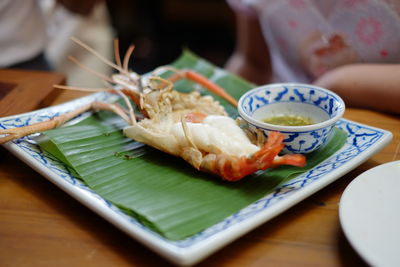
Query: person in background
(351, 47)
(23, 36)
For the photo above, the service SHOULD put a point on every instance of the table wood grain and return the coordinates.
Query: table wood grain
(40, 225)
(22, 91)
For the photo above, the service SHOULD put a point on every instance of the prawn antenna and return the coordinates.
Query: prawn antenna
(99, 56)
(127, 57)
(98, 74)
(64, 87)
(116, 53)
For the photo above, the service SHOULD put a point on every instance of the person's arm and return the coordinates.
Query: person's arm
(374, 86)
(250, 59)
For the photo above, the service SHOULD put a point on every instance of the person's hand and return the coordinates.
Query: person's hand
(81, 7)
(373, 86)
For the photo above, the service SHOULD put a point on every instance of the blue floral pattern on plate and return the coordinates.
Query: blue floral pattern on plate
(362, 142)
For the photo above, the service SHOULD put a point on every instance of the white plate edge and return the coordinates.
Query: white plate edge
(359, 249)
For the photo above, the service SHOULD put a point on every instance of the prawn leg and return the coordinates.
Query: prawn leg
(203, 81)
(16, 133)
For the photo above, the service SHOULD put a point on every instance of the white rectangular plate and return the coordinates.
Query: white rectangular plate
(363, 141)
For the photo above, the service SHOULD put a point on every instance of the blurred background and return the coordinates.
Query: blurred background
(159, 29)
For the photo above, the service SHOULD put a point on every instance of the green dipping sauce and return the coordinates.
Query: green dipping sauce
(289, 120)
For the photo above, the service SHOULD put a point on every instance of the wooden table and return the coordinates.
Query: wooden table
(22, 91)
(40, 225)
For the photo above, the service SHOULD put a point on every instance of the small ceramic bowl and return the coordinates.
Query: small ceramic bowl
(322, 106)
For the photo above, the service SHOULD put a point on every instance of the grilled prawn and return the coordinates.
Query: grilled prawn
(186, 125)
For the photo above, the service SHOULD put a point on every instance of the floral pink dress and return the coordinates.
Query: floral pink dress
(309, 37)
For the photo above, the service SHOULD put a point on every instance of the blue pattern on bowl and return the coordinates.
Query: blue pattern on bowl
(302, 139)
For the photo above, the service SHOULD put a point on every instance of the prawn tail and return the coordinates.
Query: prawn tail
(272, 148)
(297, 160)
(235, 168)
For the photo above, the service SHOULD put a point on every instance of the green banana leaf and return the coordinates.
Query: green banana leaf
(161, 191)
